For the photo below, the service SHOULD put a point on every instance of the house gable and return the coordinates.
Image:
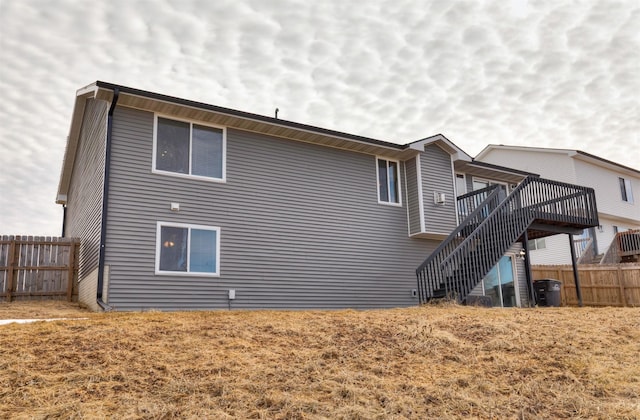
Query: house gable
(298, 216)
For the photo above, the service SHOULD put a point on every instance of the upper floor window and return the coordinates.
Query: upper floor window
(625, 190)
(187, 149)
(187, 249)
(388, 181)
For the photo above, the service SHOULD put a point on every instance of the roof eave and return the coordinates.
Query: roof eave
(456, 153)
(596, 160)
(82, 95)
(573, 153)
(182, 108)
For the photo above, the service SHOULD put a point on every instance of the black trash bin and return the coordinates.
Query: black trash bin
(547, 292)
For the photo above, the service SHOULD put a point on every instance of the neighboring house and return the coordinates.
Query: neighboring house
(184, 205)
(614, 185)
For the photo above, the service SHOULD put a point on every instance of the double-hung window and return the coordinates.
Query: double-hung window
(625, 190)
(388, 181)
(539, 243)
(187, 249)
(187, 149)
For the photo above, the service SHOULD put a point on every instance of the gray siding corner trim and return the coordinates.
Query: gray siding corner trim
(87, 290)
(105, 285)
(84, 200)
(413, 202)
(300, 227)
(420, 191)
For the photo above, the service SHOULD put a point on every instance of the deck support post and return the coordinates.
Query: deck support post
(527, 269)
(576, 278)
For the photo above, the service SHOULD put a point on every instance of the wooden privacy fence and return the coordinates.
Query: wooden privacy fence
(601, 285)
(37, 267)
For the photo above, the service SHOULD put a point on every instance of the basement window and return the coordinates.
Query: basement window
(388, 172)
(182, 148)
(187, 249)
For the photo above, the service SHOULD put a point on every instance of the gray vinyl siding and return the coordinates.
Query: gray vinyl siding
(84, 200)
(437, 176)
(301, 227)
(413, 198)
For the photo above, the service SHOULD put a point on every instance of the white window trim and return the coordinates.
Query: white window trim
(191, 123)
(536, 241)
(406, 192)
(399, 186)
(454, 181)
(627, 189)
(455, 177)
(159, 226)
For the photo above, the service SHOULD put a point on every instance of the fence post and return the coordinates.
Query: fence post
(623, 296)
(70, 273)
(10, 271)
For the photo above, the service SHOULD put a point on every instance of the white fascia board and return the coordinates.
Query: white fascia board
(572, 153)
(445, 144)
(89, 90)
(491, 147)
(612, 166)
(72, 140)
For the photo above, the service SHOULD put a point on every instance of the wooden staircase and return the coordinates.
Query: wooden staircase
(495, 221)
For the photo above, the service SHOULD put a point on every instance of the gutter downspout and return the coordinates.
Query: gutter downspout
(105, 199)
(64, 219)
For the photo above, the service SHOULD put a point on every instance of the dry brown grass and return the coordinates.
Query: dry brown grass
(428, 362)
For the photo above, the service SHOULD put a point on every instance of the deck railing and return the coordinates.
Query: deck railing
(458, 265)
(584, 250)
(431, 275)
(468, 202)
(624, 244)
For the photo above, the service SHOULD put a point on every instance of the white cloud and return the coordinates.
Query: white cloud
(547, 74)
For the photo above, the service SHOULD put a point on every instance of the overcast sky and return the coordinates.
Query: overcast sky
(550, 74)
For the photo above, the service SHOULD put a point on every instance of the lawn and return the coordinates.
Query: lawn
(442, 361)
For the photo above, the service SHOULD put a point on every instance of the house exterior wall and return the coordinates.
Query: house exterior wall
(84, 200)
(606, 184)
(560, 166)
(87, 290)
(438, 177)
(607, 232)
(556, 251)
(550, 165)
(300, 227)
(412, 196)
